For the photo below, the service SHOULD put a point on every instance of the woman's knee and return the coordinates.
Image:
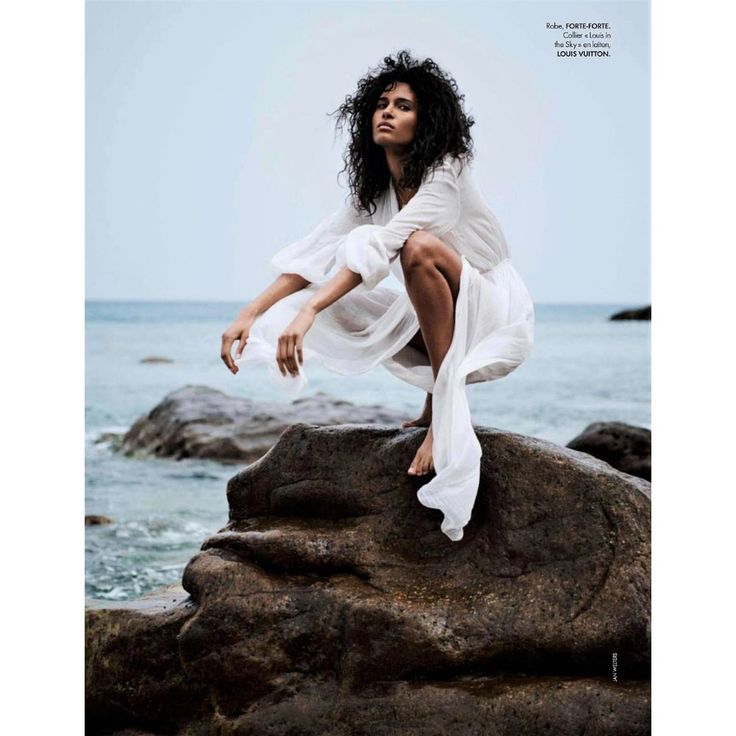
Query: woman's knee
(419, 250)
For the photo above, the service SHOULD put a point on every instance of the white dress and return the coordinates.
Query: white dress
(372, 325)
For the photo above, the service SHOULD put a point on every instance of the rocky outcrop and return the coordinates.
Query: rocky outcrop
(201, 422)
(624, 446)
(644, 313)
(332, 603)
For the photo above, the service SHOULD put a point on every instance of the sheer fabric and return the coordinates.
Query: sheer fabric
(372, 324)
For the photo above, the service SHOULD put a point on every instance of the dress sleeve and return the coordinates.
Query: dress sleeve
(313, 257)
(370, 249)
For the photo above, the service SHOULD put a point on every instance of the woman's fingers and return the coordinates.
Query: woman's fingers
(293, 358)
(299, 349)
(283, 357)
(290, 350)
(242, 342)
(286, 354)
(280, 349)
(287, 360)
(227, 343)
(290, 357)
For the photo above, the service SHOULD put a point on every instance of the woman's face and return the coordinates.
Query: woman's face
(395, 118)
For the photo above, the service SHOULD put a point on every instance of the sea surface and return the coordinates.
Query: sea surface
(583, 368)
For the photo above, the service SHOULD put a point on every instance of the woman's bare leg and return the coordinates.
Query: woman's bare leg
(425, 418)
(432, 277)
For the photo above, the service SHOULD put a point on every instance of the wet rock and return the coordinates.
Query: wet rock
(96, 520)
(624, 446)
(133, 672)
(644, 313)
(201, 422)
(332, 603)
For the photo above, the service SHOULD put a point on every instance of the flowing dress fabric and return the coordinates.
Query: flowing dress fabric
(372, 325)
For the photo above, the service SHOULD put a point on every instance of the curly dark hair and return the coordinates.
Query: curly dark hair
(442, 126)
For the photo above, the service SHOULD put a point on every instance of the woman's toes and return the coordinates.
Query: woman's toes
(422, 463)
(416, 467)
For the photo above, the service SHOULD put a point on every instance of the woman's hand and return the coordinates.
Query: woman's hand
(289, 353)
(239, 330)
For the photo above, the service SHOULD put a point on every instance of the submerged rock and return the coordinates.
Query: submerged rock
(624, 446)
(644, 313)
(201, 422)
(332, 604)
(96, 520)
(156, 359)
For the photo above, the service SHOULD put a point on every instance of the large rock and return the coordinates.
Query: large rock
(201, 422)
(332, 603)
(625, 446)
(643, 313)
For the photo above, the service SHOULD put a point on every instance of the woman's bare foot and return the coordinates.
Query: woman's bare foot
(426, 417)
(422, 462)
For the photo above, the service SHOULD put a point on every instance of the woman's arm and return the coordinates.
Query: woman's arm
(285, 284)
(289, 353)
(306, 261)
(367, 250)
(313, 257)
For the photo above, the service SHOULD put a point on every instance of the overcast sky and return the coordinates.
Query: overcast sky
(209, 147)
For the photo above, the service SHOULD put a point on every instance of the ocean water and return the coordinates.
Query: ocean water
(583, 368)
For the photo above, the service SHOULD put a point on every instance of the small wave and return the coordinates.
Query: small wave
(159, 530)
(93, 433)
(193, 475)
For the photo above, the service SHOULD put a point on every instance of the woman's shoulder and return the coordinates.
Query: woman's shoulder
(451, 164)
(460, 163)
(450, 170)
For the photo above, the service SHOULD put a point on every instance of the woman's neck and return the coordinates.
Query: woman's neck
(395, 162)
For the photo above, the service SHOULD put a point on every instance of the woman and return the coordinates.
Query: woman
(416, 211)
